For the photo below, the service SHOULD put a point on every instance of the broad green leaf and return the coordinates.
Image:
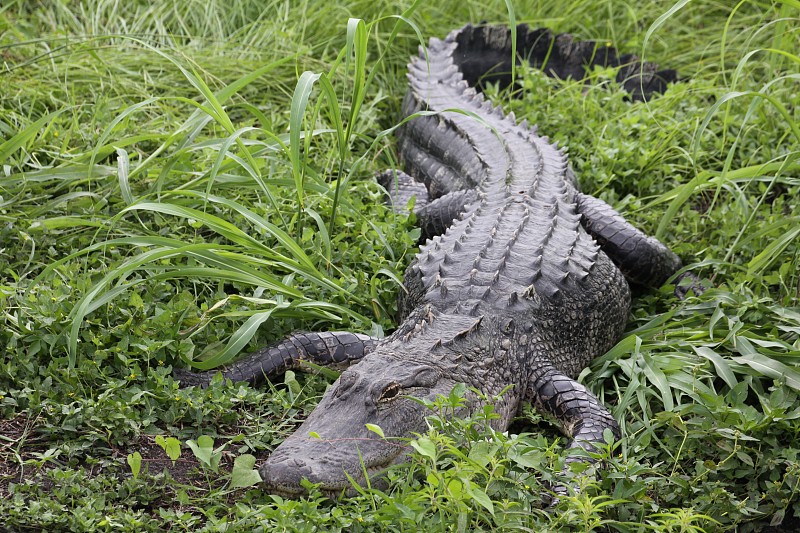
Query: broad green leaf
(720, 364)
(203, 449)
(243, 473)
(375, 429)
(170, 445)
(425, 446)
(656, 376)
(481, 497)
(769, 367)
(135, 462)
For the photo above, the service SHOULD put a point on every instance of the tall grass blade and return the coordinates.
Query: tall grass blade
(357, 47)
(20, 139)
(123, 169)
(302, 92)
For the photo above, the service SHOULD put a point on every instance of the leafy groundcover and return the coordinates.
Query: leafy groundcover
(182, 182)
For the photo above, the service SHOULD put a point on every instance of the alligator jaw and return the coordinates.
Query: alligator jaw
(282, 474)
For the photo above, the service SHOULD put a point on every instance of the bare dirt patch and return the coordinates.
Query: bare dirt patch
(17, 444)
(184, 470)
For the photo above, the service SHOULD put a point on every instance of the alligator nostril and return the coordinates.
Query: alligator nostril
(285, 473)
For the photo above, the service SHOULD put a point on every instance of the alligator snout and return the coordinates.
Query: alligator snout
(283, 474)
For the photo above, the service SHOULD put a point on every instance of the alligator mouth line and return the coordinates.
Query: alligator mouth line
(373, 473)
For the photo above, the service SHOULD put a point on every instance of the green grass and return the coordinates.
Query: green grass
(186, 181)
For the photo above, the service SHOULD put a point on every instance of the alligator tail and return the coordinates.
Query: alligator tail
(484, 54)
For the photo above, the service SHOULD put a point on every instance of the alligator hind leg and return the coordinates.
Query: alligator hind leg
(401, 188)
(643, 260)
(337, 349)
(433, 217)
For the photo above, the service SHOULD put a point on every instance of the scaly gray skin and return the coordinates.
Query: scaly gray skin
(521, 284)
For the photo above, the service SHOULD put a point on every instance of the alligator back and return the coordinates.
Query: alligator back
(519, 249)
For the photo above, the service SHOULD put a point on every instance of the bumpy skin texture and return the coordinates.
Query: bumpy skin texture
(517, 285)
(328, 348)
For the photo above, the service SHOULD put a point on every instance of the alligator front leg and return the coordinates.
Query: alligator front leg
(581, 415)
(337, 349)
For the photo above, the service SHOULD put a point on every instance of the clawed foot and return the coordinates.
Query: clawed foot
(688, 281)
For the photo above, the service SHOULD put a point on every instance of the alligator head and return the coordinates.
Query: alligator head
(334, 442)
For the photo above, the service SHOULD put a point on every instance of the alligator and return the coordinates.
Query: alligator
(521, 282)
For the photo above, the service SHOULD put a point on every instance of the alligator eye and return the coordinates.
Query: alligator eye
(391, 392)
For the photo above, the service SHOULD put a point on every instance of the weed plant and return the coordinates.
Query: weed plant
(186, 181)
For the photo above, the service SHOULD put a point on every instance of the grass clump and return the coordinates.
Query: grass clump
(178, 185)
